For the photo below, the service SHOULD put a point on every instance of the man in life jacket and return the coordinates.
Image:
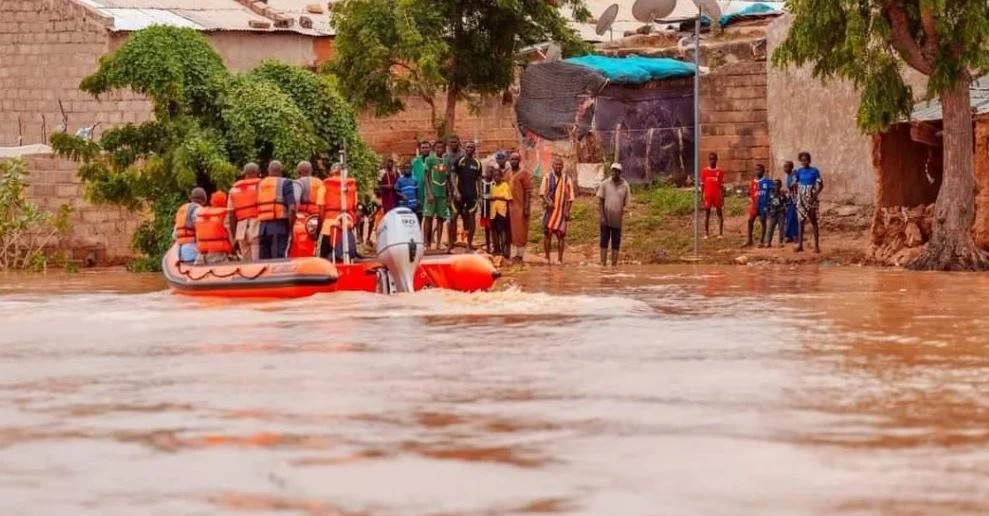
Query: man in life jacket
(184, 231)
(242, 205)
(311, 191)
(339, 215)
(213, 241)
(276, 207)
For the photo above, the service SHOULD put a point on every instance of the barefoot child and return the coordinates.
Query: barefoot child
(487, 183)
(759, 191)
(778, 202)
(713, 187)
(501, 197)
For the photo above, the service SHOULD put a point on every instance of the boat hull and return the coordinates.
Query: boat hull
(290, 278)
(301, 277)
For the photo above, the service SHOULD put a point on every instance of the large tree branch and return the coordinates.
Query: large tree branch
(902, 39)
(428, 96)
(930, 33)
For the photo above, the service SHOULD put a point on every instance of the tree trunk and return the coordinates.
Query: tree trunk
(951, 247)
(450, 115)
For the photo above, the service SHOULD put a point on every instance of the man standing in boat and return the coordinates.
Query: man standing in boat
(184, 231)
(276, 207)
(242, 206)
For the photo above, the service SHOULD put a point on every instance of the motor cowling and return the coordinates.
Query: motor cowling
(400, 247)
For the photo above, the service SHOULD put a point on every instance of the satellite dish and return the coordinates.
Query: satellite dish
(710, 8)
(606, 20)
(647, 11)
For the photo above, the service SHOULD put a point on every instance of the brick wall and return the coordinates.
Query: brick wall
(98, 233)
(734, 120)
(46, 48)
(494, 126)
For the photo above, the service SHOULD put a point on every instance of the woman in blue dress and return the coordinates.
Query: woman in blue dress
(792, 221)
(809, 187)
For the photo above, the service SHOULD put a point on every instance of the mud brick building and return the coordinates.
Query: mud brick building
(48, 46)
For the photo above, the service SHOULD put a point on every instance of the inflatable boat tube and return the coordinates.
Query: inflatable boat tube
(290, 278)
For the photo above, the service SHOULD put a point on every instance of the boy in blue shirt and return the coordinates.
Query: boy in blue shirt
(760, 191)
(408, 191)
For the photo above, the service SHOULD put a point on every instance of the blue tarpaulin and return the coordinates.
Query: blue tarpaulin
(634, 69)
(752, 10)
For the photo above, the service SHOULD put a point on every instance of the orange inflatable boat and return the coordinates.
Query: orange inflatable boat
(463, 272)
(294, 277)
(300, 277)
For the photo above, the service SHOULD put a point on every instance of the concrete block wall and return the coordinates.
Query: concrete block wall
(46, 48)
(494, 126)
(99, 233)
(734, 121)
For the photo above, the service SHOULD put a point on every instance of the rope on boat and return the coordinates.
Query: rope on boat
(211, 272)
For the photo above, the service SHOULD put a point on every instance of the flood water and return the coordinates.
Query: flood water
(647, 391)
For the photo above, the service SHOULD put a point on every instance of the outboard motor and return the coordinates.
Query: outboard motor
(399, 248)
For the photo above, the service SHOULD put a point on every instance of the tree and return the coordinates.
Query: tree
(867, 42)
(386, 49)
(207, 122)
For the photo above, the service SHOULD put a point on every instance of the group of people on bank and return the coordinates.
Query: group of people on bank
(260, 216)
(783, 207)
(453, 191)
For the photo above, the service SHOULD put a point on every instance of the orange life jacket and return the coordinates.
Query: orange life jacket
(185, 223)
(271, 199)
(334, 187)
(211, 233)
(309, 198)
(244, 197)
(302, 243)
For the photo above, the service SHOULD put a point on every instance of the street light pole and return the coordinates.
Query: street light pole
(697, 132)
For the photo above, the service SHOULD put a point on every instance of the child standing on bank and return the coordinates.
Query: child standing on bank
(501, 196)
(408, 191)
(778, 201)
(487, 183)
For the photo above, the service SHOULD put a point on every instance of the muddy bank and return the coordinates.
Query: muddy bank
(659, 229)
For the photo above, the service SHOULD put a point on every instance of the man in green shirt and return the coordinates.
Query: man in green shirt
(437, 197)
(419, 166)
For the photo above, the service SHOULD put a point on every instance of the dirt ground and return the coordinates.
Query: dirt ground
(659, 229)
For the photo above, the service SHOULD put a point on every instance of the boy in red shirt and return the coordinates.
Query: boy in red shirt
(713, 187)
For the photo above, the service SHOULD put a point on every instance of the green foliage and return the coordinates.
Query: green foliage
(386, 49)
(26, 231)
(171, 66)
(208, 122)
(868, 41)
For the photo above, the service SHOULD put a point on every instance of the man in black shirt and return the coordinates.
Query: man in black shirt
(467, 186)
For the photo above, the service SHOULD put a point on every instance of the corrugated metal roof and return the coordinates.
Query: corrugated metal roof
(298, 8)
(137, 19)
(684, 10)
(206, 15)
(931, 111)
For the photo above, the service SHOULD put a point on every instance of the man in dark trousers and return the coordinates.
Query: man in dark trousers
(614, 196)
(466, 191)
(276, 207)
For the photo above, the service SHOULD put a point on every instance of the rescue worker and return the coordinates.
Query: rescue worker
(184, 231)
(276, 207)
(311, 191)
(213, 240)
(339, 214)
(242, 206)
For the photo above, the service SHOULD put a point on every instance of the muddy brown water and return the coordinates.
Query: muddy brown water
(663, 390)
